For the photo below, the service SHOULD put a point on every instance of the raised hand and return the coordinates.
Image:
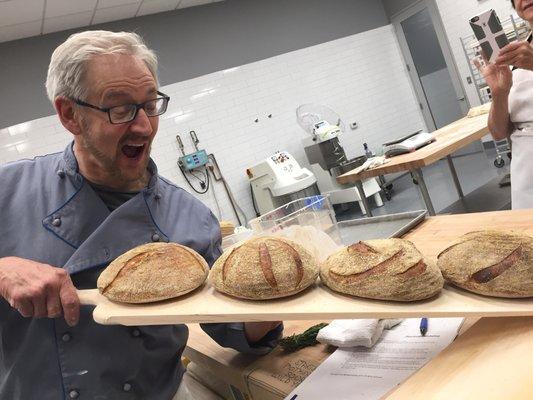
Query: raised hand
(498, 77)
(518, 54)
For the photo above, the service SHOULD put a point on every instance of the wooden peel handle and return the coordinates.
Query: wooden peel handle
(89, 297)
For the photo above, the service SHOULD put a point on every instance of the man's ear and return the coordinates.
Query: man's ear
(67, 113)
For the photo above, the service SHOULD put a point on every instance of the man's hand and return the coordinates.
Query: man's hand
(518, 54)
(38, 290)
(255, 331)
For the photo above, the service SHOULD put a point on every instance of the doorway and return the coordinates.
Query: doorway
(430, 64)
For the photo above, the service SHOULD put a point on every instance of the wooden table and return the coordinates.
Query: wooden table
(448, 140)
(430, 237)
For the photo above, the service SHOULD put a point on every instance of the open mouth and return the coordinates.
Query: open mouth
(133, 151)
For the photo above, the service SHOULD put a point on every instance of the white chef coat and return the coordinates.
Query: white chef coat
(521, 114)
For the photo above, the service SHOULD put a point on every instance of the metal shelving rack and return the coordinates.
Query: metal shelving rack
(516, 29)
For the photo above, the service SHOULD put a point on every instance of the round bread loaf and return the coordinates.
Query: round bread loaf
(384, 269)
(264, 268)
(492, 263)
(153, 272)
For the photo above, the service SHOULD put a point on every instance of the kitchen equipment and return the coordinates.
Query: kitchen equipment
(384, 226)
(309, 221)
(309, 211)
(407, 144)
(328, 158)
(200, 165)
(278, 180)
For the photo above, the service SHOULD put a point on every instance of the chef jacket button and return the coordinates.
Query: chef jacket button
(56, 221)
(126, 387)
(73, 394)
(135, 332)
(66, 337)
(61, 173)
(157, 196)
(155, 237)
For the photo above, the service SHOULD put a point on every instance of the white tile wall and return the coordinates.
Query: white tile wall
(362, 77)
(455, 15)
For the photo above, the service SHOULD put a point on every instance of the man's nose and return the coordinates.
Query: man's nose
(141, 123)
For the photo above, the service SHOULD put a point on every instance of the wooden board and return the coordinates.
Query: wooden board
(449, 139)
(316, 303)
(432, 236)
(490, 361)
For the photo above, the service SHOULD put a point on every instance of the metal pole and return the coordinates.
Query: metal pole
(424, 191)
(362, 196)
(455, 177)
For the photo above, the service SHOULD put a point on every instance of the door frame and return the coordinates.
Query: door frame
(396, 20)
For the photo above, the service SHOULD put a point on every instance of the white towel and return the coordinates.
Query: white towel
(355, 332)
(371, 163)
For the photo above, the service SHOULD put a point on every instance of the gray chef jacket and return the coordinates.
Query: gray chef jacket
(50, 214)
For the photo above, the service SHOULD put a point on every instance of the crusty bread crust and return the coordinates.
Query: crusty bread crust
(263, 268)
(153, 272)
(384, 269)
(492, 263)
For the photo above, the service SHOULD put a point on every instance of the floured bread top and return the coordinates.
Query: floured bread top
(494, 263)
(263, 268)
(385, 269)
(392, 255)
(152, 272)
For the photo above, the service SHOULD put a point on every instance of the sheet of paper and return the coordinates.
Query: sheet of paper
(368, 374)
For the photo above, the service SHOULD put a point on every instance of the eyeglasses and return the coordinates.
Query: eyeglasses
(128, 112)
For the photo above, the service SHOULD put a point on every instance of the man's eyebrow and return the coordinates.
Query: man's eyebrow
(113, 94)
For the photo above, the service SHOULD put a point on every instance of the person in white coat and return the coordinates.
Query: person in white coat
(510, 79)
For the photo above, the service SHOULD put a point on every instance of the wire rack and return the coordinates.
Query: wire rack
(516, 29)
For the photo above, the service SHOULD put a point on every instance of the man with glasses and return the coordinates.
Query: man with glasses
(65, 216)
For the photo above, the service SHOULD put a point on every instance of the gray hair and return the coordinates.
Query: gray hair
(68, 65)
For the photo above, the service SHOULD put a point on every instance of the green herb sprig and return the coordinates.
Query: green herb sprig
(299, 341)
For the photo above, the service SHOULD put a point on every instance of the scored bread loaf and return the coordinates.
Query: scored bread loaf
(153, 272)
(264, 268)
(492, 263)
(384, 269)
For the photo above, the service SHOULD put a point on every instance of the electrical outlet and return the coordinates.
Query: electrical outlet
(353, 125)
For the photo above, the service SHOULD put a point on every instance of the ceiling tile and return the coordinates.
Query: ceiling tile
(155, 6)
(115, 3)
(115, 13)
(65, 22)
(192, 3)
(18, 11)
(20, 31)
(55, 8)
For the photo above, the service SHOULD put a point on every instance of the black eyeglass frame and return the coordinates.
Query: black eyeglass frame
(137, 107)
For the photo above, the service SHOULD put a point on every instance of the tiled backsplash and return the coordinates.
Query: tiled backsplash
(362, 77)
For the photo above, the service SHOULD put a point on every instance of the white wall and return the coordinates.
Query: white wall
(455, 15)
(362, 77)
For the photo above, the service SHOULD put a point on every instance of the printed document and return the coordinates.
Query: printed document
(360, 373)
